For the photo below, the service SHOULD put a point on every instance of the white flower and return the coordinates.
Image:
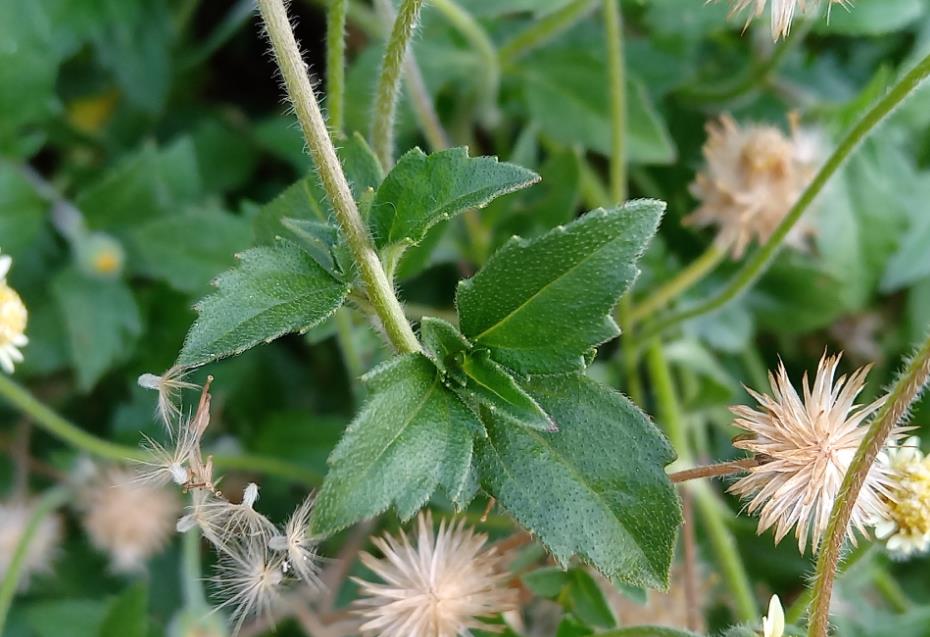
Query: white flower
(128, 520)
(754, 174)
(806, 448)
(302, 557)
(783, 12)
(906, 526)
(250, 580)
(13, 319)
(773, 624)
(14, 517)
(439, 587)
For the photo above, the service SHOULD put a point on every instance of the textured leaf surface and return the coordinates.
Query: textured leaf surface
(412, 436)
(422, 190)
(596, 489)
(540, 305)
(275, 290)
(102, 322)
(188, 250)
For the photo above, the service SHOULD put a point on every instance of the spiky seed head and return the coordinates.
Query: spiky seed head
(783, 12)
(439, 586)
(299, 546)
(807, 446)
(250, 581)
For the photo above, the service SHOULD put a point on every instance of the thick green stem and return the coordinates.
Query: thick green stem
(904, 392)
(710, 509)
(683, 281)
(49, 502)
(472, 31)
(336, 62)
(544, 30)
(616, 71)
(294, 71)
(67, 432)
(385, 107)
(762, 258)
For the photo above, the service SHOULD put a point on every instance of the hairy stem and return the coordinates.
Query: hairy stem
(385, 107)
(336, 62)
(544, 30)
(714, 470)
(616, 71)
(294, 71)
(70, 433)
(862, 553)
(52, 499)
(707, 504)
(762, 258)
(905, 390)
(680, 283)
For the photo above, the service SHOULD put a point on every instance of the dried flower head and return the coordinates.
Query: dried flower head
(128, 520)
(753, 176)
(783, 12)
(299, 546)
(773, 624)
(906, 525)
(169, 386)
(13, 319)
(14, 517)
(439, 587)
(250, 581)
(807, 446)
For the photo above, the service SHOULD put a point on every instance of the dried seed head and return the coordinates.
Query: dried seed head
(250, 580)
(809, 445)
(129, 520)
(439, 587)
(13, 319)
(14, 517)
(906, 527)
(299, 546)
(753, 176)
(783, 12)
(170, 387)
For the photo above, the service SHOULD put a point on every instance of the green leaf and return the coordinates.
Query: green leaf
(422, 190)
(412, 436)
(650, 631)
(127, 616)
(275, 290)
(102, 322)
(596, 489)
(22, 212)
(477, 377)
(567, 95)
(546, 582)
(541, 305)
(873, 17)
(83, 617)
(188, 250)
(586, 600)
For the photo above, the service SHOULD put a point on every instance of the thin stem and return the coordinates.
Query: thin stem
(616, 71)
(191, 572)
(336, 62)
(70, 433)
(762, 258)
(385, 107)
(355, 367)
(689, 555)
(905, 390)
(714, 470)
(708, 506)
(360, 15)
(795, 613)
(890, 589)
(300, 91)
(478, 38)
(544, 30)
(52, 499)
(683, 281)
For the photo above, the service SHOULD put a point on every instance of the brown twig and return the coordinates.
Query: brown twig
(690, 557)
(715, 470)
(334, 574)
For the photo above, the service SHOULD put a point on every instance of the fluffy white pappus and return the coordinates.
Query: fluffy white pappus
(170, 387)
(128, 520)
(438, 586)
(250, 581)
(806, 446)
(14, 518)
(783, 12)
(302, 561)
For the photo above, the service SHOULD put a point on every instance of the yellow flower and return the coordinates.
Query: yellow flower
(906, 527)
(753, 176)
(13, 318)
